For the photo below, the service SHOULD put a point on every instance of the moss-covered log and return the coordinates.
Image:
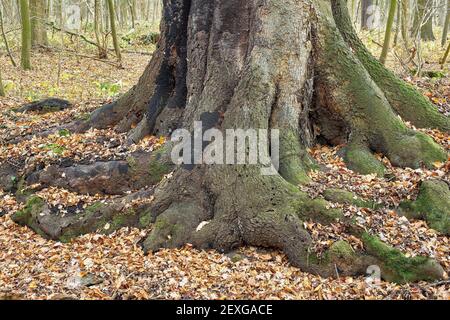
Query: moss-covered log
(396, 267)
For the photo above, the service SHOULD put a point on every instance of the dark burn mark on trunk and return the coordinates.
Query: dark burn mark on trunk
(209, 120)
(171, 90)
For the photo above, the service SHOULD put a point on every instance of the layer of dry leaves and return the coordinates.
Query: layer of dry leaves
(114, 267)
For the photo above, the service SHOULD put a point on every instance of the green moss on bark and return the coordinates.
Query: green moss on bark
(317, 209)
(121, 220)
(341, 252)
(432, 205)
(132, 163)
(347, 197)
(396, 267)
(416, 149)
(295, 162)
(93, 208)
(160, 164)
(21, 190)
(86, 222)
(32, 207)
(404, 98)
(166, 232)
(157, 170)
(362, 161)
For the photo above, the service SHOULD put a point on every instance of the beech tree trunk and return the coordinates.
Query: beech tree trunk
(290, 65)
(26, 35)
(38, 19)
(423, 20)
(388, 33)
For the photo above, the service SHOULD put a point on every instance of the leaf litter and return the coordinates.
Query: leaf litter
(97, 266)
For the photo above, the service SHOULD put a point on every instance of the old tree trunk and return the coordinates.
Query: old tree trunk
(267, 64)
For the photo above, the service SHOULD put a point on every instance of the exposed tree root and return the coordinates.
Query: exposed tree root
(213, 220)
(273, 219)
(98, 217)
(139, 170)
(396, 267)
(346, 197)
(432, 205)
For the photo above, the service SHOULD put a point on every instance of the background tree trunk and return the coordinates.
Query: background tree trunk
(444, 59)
(423, 21)
(112, 19)
(38, 19)
(405, 21)
(446, 25)
(387, 37)
(101, 45)
(26, 35)
(132, 5)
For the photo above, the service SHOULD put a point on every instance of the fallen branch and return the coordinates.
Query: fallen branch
(72, 34)
(92, 42)
(86, 56)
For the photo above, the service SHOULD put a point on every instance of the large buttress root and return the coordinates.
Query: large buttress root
(432, 205)
(404, 99)
(349, 97)
(271, 216)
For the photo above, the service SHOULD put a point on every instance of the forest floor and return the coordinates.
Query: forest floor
(98, 266)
